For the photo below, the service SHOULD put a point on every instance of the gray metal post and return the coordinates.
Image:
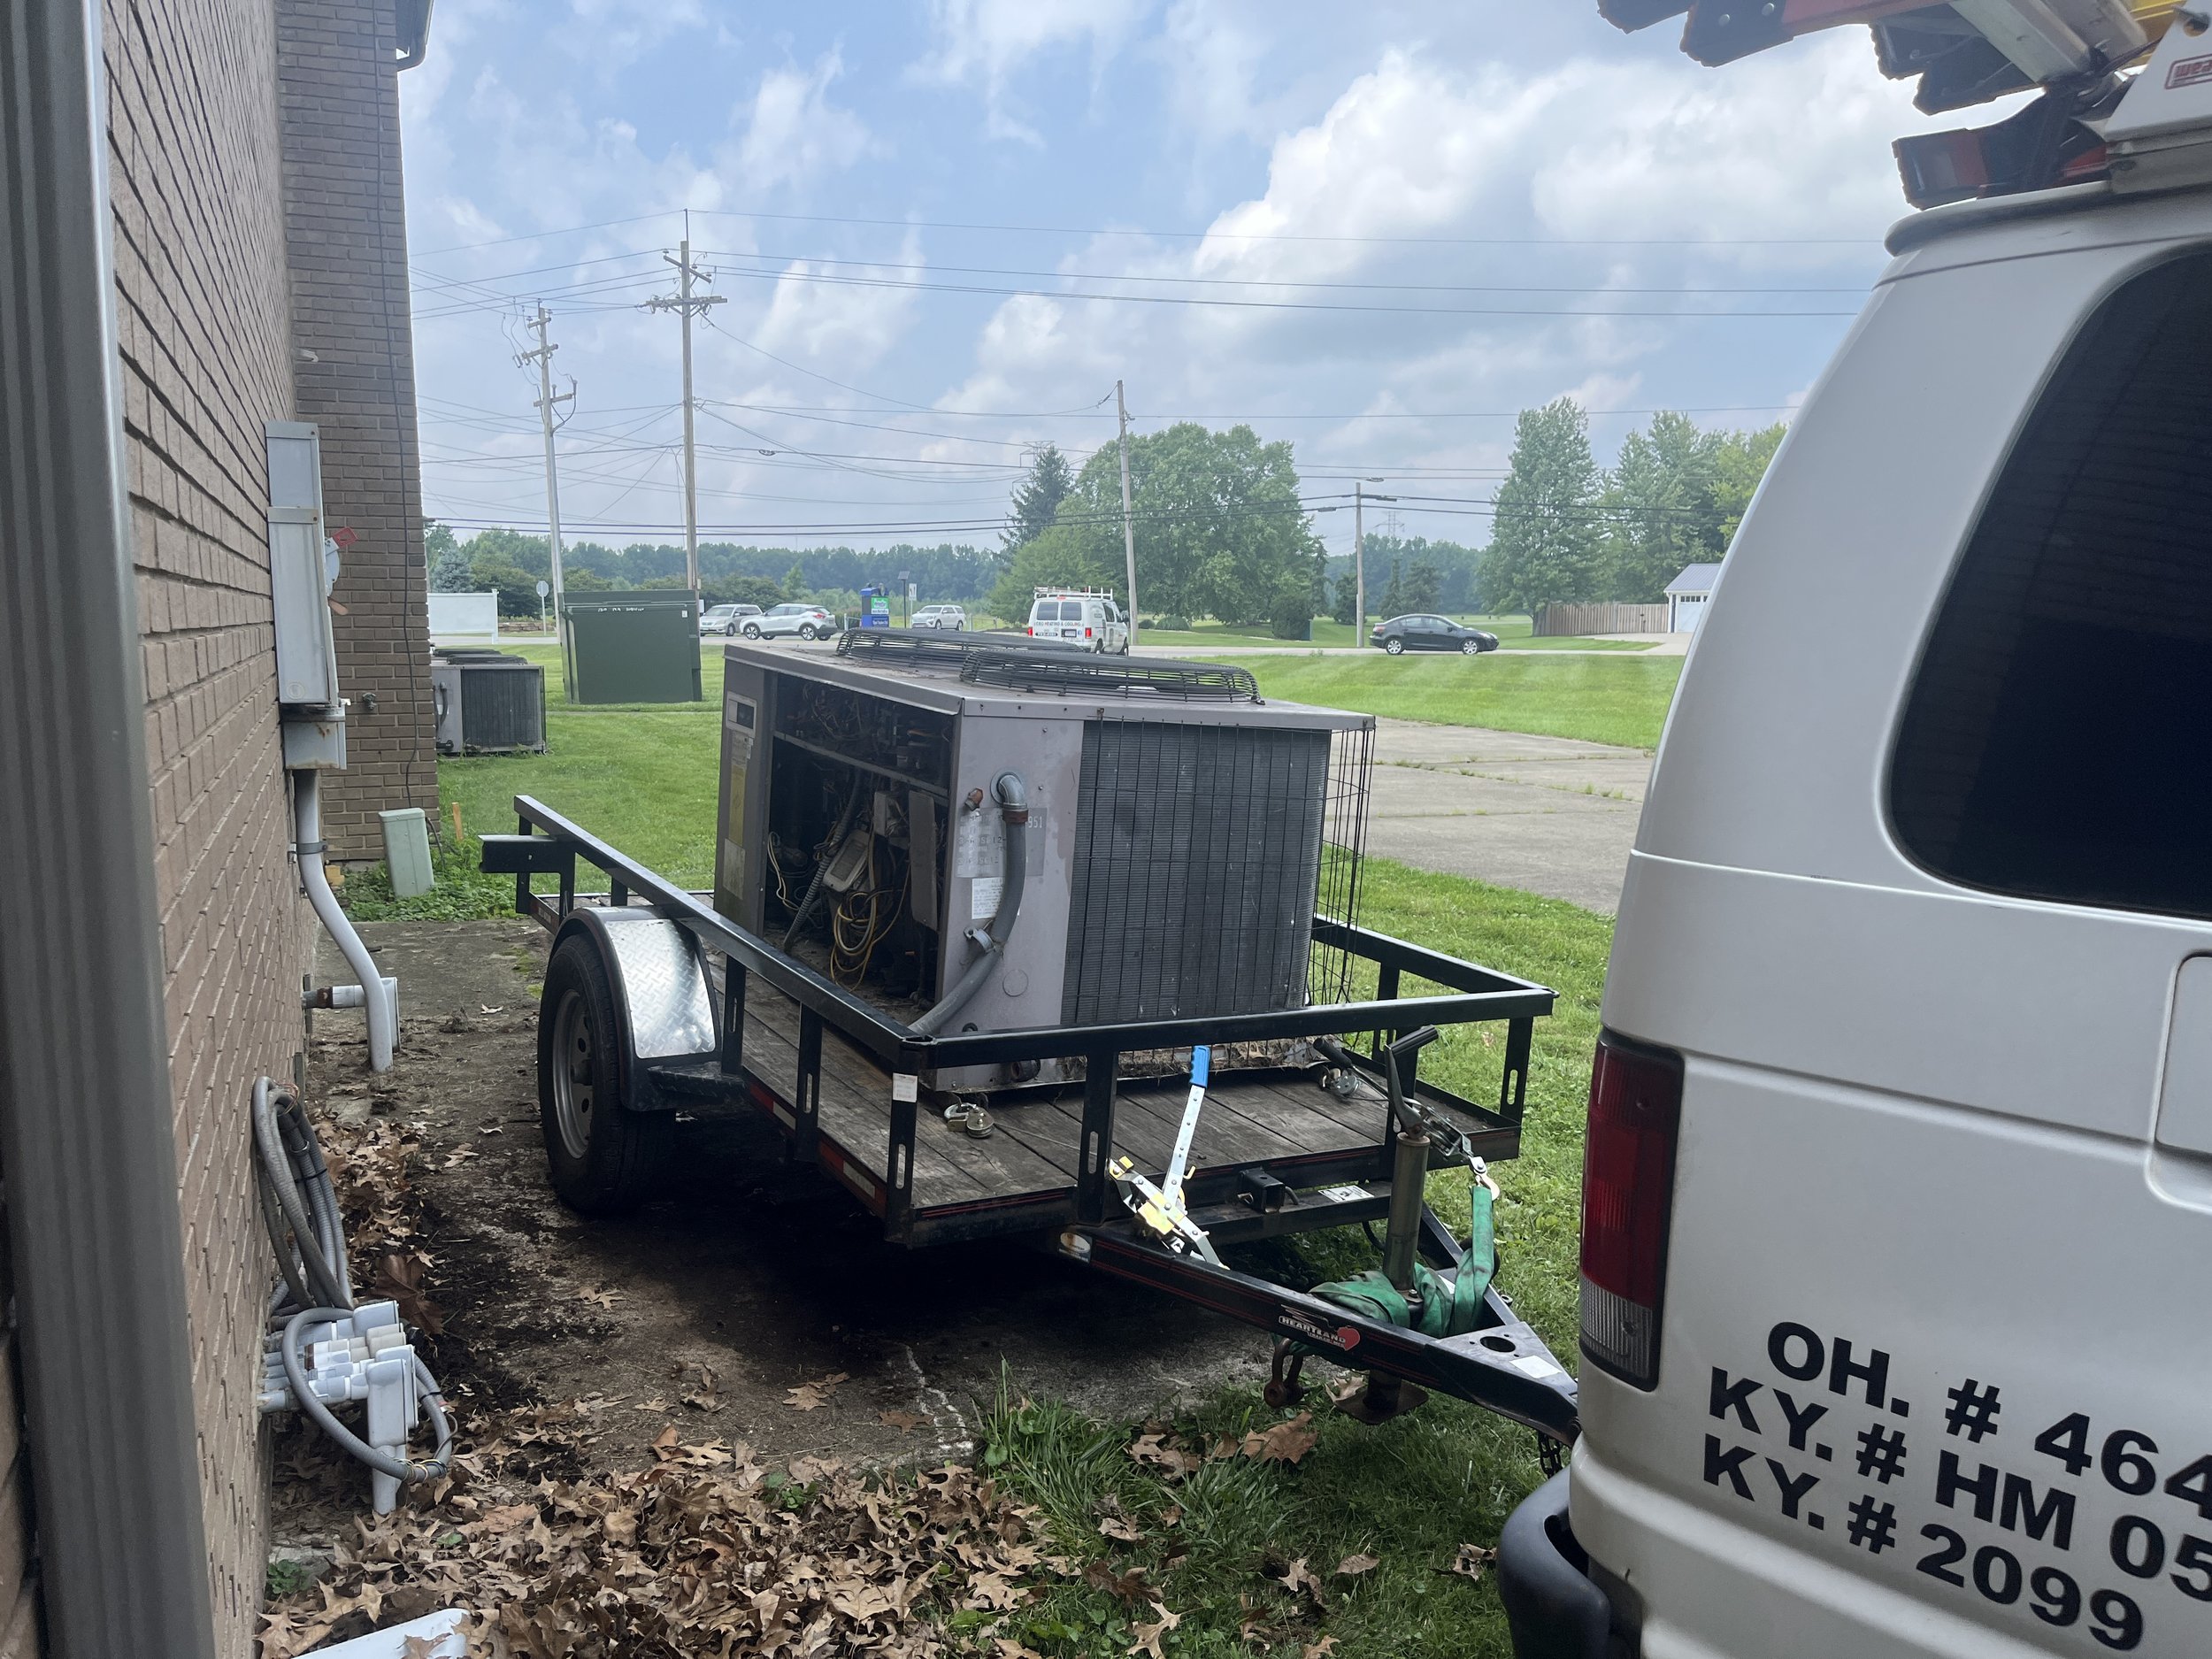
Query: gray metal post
(87, 1135)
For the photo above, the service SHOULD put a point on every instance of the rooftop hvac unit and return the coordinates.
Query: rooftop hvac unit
(488, 702)
(1181, 833)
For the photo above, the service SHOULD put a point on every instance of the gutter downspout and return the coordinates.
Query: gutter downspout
(87, 1130)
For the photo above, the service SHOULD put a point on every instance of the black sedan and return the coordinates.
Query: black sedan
(1421, 632)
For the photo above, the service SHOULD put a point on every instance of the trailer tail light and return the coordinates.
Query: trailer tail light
(1628, 1205)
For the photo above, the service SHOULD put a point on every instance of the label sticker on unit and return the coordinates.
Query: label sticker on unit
(1345, 1194)
(905, 1086)
(983, 895)
(979, 842)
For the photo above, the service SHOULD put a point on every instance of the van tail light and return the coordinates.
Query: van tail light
(1086, 634)
(1628, 1205)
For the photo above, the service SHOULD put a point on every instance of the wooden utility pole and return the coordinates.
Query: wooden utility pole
(547, 398)
(684, 304)
(1360, 498)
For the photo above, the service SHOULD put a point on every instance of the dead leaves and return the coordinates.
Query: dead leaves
(598, 1297)
(1158, 1450)
(812, 1396)
(1470, 1561)
(706, 1396)
(1148, 1642)
(705, 1552)
(1284, 1443)
(1353, 1566)
(905, 1422)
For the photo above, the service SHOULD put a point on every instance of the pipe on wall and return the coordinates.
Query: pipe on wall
(379, 996)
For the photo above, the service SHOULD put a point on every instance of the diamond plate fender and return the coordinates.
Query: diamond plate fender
(662, 999)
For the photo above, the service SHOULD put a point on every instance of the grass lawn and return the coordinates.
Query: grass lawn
(1598, 700)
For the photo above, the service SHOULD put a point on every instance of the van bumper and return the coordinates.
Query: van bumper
(1553, 1607)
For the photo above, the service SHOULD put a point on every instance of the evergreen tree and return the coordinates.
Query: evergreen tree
(1424, 589)
(1037, 499)
(795, 581)
(448, 565)
(1545, 545)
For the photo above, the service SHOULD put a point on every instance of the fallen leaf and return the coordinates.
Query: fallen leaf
(655, 1404)
(1148, 1636)
(1121, 1529)
(1127, 1586)
(1470, 1561)
(1162, 1453)
(705, 1397)
(905, 1422)
(1284, 1443)
(1009, 1649)
(812, 1396)
(500, 1009)
(1320, 1649)
(1299, 1577)
(598, 1297)
(664, 1443)
(1352, 1566)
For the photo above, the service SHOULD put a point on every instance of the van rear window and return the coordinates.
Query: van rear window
(2057, 743)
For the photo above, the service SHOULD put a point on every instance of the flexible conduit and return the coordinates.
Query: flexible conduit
(379, 999)
(1013, 800)
(299, 1206)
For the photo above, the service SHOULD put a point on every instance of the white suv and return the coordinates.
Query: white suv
(809, 622)
(940, 617)
(1897, 1236)
(1086, 619)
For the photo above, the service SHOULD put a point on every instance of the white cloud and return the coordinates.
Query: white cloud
(612, 35)
(794, 133)
(845, 325)
(983, 42)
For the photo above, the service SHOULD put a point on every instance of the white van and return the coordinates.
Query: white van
(1897, 1245)
(1084, 616)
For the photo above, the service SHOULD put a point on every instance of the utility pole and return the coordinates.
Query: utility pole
(1360, 498)
(543, 358)
(685, 305)
(1128, 524)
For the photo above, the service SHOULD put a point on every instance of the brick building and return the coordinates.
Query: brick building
(151, 952)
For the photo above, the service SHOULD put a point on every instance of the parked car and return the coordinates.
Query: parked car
(1421, 632)
(725, 619)
(940, 616)
(1073, 617)
(809, 622)
(1898, 1177)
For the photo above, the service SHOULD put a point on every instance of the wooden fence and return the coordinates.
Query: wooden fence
(1601, 618)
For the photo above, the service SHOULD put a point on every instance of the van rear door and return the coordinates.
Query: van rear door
(1923, 906)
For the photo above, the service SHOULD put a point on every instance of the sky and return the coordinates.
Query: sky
(1373, 231)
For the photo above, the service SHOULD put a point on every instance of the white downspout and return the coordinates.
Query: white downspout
(380, 996)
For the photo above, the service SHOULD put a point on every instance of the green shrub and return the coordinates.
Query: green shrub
(1292, 616)
(1172, 625)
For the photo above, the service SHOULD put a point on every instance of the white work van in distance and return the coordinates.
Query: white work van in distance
(1897, 1249)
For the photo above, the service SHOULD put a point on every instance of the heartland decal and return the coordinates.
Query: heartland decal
(2188, 73)
(1343, 1337)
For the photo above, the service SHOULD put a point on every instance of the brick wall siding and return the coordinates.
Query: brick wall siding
(205, 327)
(339, 92)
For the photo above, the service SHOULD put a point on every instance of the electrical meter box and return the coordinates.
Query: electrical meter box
(301, 568)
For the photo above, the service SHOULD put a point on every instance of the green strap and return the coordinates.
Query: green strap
(1448, 1308)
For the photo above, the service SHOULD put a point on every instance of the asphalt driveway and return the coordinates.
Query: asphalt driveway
(1550, 815)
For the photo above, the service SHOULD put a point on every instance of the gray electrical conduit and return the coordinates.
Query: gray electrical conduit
(288, 1162)
(376, 996)
(1013, 799)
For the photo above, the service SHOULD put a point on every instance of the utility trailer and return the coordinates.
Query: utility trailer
(658, 1002)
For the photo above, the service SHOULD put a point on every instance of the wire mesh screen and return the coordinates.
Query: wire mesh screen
(1343, 847)
(1198, 854)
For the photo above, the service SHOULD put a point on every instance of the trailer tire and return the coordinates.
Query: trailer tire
(602, 1158)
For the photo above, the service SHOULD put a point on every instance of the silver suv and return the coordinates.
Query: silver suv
(940, 616)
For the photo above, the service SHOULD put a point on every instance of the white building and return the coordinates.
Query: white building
(1687, 595)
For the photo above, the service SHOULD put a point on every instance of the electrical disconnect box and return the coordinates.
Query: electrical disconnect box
(300, 568)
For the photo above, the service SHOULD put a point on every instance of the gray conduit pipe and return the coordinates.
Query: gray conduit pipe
(379, 1000)
(1013, 799)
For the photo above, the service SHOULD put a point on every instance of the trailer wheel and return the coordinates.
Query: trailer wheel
(603, 1157)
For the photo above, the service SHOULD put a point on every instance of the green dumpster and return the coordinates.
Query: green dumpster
(638, 647)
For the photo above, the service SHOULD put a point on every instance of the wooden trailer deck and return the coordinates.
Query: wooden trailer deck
(1281, 1121)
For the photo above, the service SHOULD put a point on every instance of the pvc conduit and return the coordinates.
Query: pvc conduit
(381, 1000)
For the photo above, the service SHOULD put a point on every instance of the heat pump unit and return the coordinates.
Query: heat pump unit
(1181, 833)
(488, 702)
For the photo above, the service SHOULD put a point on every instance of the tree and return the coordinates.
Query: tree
(448, 565)
(518, 588)
(1546, 546)
(1424, 589)
(1037, 499)
(1738, 464)
(1660, 508)
(529, 553)
(1063, 555)
(1347, 600)
(1219, 526)
(583, 581)
(795, 581)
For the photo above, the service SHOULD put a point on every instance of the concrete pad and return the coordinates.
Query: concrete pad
(1550, 815)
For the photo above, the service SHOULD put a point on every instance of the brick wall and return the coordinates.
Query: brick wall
(339, 92)
(205, 328)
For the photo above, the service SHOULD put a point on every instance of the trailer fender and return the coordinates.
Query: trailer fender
(662, 1000)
